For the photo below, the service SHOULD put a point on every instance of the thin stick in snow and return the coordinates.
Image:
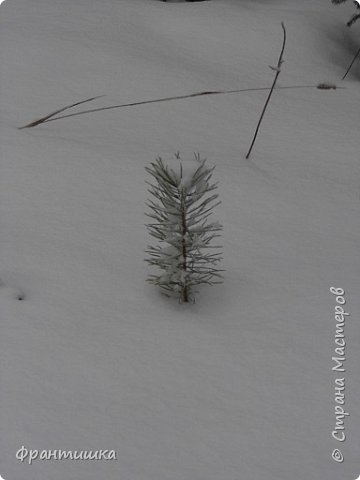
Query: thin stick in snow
(278, 70)
(179, 97)
(44, 119)
(52, 118)
(352, 63)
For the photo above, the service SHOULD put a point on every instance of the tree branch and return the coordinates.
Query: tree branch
(278, 70)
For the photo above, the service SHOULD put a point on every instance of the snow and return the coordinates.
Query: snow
(238, 385)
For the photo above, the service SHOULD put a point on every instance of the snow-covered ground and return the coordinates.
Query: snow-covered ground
(238, 386)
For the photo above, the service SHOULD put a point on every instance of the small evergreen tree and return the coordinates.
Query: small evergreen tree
(181, 209)
(355, 17)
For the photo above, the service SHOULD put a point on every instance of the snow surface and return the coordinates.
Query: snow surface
(239, 385)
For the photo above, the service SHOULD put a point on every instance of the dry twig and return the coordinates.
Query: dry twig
(44, 119)
(352, 63)
(278, 70)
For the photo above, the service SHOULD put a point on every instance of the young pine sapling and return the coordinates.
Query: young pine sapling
(180, 207)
